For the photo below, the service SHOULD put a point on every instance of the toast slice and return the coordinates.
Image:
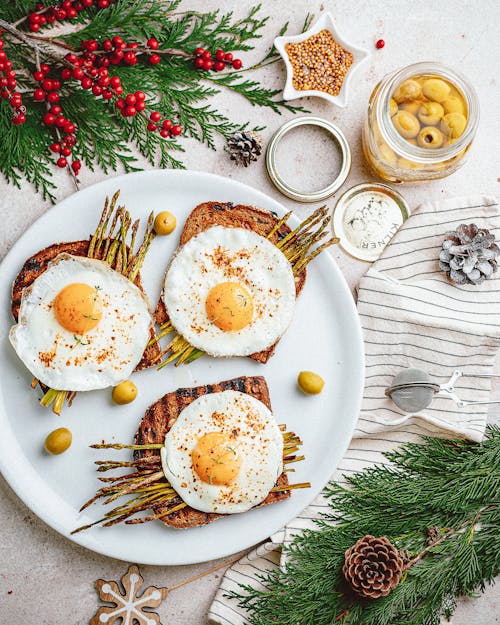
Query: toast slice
(226, 214)
(38, 263)
(161, 416)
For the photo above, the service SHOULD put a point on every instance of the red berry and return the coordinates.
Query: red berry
(199, 62)
(380, 44)
(69, 140)
(62, 162)
(219, 66)
(130, 58)
(152, 127)
(228, 57)
(91, 45)
(92, 71)
(53, 97)
(154, 59)
(176, 130)
(153, 43)
(87, 3)
(199, 51)
(47, 84)
(10, 73)
(38, 75)
(117, 40)
(16, 99)
(20, 119)
(219, 55)
(33, 17)
(237, 64)
(60, 121)
(140, 95)
(116, 58)
(65, 73)
(67, 4)
(155, 116)
(39, 94)
(1, 43)
(141, 105)
(3, 55)
(49, 119)
(208, 64)
(3, 82)
(206, 54)
(103, 4)
(130, 98)
(56, 110)
(71, 13)
(76, 166)
(119, 90)
(103, 61)
(103, 71)
(167, 124)
(42, 20)
(114, 81)
(11, 83)
(164, 133)
(78, 6)
(78, 73)
(69, 128)
(66, 151)
(56, 84)
(120, 104)
(103, 81)
(86, 82)
(107, 94)
(71, 58)
(55, 147)
(107, 45)
(96, 90)
(44, 68)
(34, 29)
(129, 111)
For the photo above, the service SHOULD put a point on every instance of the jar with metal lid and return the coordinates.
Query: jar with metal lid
(420, 124)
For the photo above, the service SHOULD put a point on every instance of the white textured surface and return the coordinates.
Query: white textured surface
(50, 580)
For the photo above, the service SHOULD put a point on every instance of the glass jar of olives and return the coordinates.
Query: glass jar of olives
(420, 124)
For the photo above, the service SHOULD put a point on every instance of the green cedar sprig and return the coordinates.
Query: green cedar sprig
(174, 87)
(450, 486)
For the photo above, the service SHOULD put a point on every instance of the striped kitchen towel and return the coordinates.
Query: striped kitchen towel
(412, 316)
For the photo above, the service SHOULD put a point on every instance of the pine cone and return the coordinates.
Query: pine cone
(244, 147)
(373, 567)
(468, 255)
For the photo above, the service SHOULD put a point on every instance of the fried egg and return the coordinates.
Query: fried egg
(230, 292)
(224, 453)
(81, 325)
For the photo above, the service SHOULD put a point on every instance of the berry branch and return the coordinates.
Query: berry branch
(134, 72)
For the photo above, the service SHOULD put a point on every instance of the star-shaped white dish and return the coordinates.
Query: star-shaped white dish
(360, 55)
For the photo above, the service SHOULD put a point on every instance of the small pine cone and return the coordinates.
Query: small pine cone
(244, 147)
(432, 533)
(373, 567)
(469, 254)
(404, 554)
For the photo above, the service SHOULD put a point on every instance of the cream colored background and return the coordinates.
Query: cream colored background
(50, 580)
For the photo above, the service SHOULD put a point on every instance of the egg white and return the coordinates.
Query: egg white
(259, 443)
(219, 255)
(97, 359)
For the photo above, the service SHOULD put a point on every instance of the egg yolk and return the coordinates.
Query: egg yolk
(78, 308)
(215, 460)
(229, 306)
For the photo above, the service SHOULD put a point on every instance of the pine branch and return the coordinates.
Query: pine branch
(452, 485)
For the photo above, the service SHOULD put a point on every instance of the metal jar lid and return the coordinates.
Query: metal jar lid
(366, 217)
(296, 194)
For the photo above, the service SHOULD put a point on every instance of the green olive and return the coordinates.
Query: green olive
(165, 223)
(453, 105)
(310, 383)
(430, 137)
(453, 124)
(393, 107)
(408, 90)
(430, 113)
(58, 441)
(124, 393)
(411, 107)
(406, 124)
(387, 153)
(436, 89)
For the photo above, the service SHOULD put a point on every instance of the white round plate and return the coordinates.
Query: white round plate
(324, 337)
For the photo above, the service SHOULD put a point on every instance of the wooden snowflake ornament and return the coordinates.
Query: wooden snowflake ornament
(129, 607)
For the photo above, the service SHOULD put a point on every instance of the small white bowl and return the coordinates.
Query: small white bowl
(359, 55)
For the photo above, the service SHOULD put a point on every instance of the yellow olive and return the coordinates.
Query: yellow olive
(393, 107)
(408, 90)
(430, 113)
(436, 89)
(387, 153)
(453, 124)
(58, 441)
(124, 393)
(310, 383)
(406, 124)
(165, 223)
(430, 137)
(453, 105)
(411, 107)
